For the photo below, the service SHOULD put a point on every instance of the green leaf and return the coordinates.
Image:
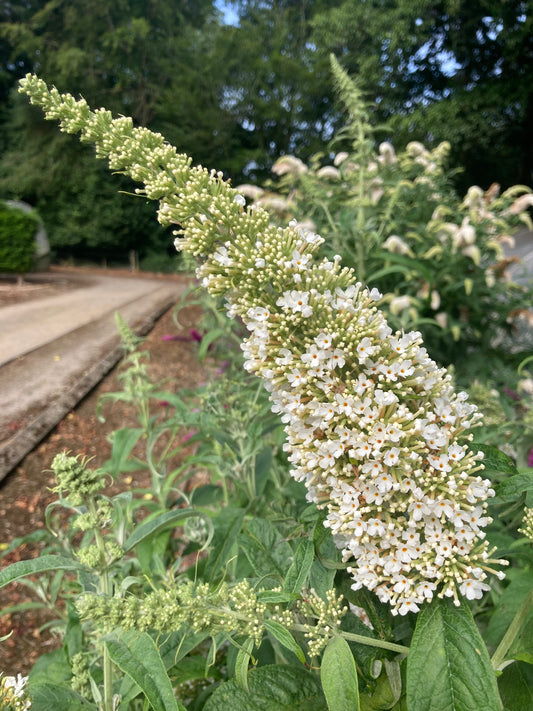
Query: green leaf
(37, 565)
(124, 440)
(137, 656)
(321, 578)
(241, 663)
(285, 638)
(153, 526)
(51, 669)
(207, 340)
(263, 465)
(339, 676)
(516, 485)
(271, 688)
(226, 529)
(300, 567)
(172, 649)
(47, 697)
(448, 666)
(516, 687)
(495, 461)
(265, 549)
(508, 605)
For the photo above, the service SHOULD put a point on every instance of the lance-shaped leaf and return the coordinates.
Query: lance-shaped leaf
(448, 666)
(137, 656)
(339, 676)
(155, 525)
(43, 564)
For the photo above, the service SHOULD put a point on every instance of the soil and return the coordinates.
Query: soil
(25, 493)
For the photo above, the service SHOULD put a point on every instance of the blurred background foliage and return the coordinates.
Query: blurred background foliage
(237, 84)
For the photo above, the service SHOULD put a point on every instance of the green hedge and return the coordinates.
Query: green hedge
(17, 239)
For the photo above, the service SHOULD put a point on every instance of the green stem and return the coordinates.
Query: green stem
(512, 632)
(105, 589)
(361, 639)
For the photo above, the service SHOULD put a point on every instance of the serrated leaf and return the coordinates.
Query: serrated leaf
(516, 485)
(155, 525)
(285, 638)
(43, 564)
(242, 662)
(300, 567)
(47, 697)
(271, 688)
(448, 666)
(137, 656)
(339, 676)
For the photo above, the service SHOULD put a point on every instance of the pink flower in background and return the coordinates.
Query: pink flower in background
(194, 335)
(530, 458)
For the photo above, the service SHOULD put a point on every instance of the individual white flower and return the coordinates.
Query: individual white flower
(399, 304)
(329, 172)
(250, 191)
(521, 204)
(473, 589)
(289, 165)
(396, 245)
(340, 158)
(387, 156)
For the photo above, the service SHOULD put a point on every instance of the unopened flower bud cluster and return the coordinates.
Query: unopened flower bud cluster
(326, 619)
(233, 609)
(74, 480)
(94, 557)
(374, 428)
(527, 524)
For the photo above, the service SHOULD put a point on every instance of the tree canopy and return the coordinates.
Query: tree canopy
(237, 96)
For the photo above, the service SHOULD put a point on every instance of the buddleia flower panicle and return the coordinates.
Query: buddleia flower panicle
(374, 428)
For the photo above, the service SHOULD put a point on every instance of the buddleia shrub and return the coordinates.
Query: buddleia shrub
(441, 262)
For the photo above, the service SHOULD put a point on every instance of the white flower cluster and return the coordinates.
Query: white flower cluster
(374, 427)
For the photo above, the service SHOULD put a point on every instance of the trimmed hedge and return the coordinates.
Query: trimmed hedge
(17, 239)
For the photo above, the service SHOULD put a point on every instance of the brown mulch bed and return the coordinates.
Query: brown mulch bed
(25, 493)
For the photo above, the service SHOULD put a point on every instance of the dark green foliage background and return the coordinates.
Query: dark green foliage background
(236, 95)
(17, 239)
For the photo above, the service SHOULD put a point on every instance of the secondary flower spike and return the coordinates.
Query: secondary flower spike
(374, 427)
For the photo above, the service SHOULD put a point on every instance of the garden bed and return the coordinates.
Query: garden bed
(25, 494)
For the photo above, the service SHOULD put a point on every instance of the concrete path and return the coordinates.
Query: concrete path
(54, 350)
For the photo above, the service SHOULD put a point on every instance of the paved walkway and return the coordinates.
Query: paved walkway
(54, 350)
